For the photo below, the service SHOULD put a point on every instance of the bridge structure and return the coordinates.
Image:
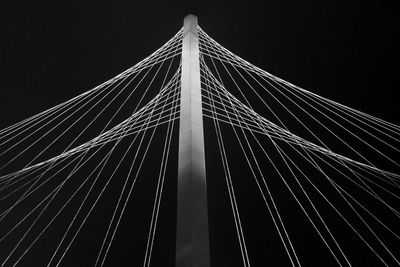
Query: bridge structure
(196, 157)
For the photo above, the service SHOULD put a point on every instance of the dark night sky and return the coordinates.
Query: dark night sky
(347, 51)
(343, 50)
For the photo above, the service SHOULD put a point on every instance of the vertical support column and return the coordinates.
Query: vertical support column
(192, 244)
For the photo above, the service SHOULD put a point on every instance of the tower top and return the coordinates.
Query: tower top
(190, 24)
(190, 17)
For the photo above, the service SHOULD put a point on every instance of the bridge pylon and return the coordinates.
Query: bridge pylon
(192, 238)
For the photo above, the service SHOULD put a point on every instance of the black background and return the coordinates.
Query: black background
(347, 51)
(344, 50)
